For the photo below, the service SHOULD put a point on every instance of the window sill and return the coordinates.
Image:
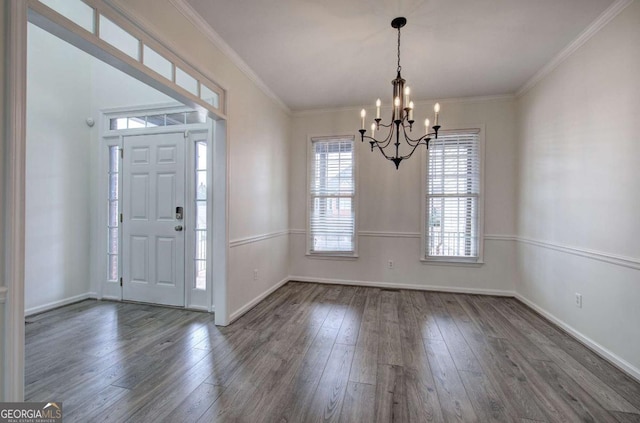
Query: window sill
(452, 261)
(332, 256)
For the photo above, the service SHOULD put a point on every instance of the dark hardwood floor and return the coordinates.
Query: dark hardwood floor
(311, 353)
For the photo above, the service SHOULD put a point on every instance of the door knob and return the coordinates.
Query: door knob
(178, 228)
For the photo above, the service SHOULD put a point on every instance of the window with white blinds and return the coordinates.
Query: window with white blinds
(331, 196)
(453, 196)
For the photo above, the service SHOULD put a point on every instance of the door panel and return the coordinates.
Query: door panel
(139, 197)
(153, 247)
(165, 247)
(166, 197)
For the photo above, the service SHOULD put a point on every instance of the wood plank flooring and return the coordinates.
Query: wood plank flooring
(322, 353)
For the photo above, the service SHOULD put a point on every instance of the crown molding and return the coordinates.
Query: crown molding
(600, 22)
(428, 102)
(198, 21)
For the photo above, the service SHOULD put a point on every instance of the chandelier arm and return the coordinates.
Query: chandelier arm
(409, 124)
(376, 143)
(385, 154)
(414, 142)
(426, 142)
(407, 138)
(411, 141)
(380, 144)
(385, 142)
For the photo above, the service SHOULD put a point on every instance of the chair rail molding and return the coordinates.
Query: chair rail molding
(630, 262)
(256, 238)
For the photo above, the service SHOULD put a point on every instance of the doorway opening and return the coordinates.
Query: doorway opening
(155, 172)
(183, 83)
(139, 217)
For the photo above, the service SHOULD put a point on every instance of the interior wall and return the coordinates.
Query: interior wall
(57, 172)
(389, 204)
(578, 191)
(258, 134)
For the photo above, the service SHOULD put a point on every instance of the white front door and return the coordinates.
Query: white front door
(153, 236)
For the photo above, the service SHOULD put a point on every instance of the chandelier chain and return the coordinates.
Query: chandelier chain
(399, 67)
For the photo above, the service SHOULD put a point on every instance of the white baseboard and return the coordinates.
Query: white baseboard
(111, 298)
(197, 308)
(248, 306)
(603, 352)
(59, 303)
(458, 290)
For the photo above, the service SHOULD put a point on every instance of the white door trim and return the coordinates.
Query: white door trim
(14, 193)
(14, 223)
(105, 289)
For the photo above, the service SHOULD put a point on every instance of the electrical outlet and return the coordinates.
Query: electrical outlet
(578, 300)
(255, 274)
(390, 264)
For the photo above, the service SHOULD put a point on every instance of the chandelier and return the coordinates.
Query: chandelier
(401, 124)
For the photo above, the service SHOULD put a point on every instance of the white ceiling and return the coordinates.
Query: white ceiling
(333, 53)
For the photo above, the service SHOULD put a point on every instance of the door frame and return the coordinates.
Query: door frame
(16, 21)
(194, 299)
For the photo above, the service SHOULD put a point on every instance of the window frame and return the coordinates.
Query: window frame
(424, 217)
(191, 249)
(347, 255)
(106, 287)
(114, 144)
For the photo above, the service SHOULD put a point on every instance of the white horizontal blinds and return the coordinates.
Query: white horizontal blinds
(332, 191)
(453, 188)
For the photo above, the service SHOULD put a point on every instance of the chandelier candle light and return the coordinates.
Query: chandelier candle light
(401, 117)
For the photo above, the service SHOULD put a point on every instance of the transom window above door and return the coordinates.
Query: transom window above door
(156, 120)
